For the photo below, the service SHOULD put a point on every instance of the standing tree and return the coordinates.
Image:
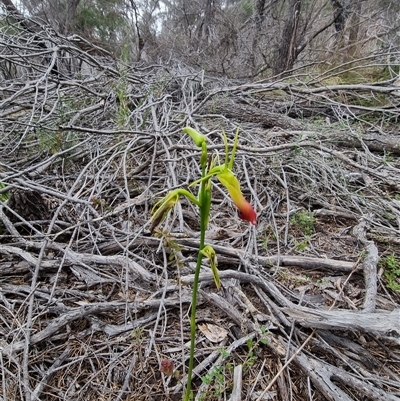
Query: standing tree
(259, 17)
(287, 50)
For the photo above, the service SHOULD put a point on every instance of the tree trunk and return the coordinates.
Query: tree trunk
(258, 21)
(353, 29)
(287, 54)
(70, 16)
(204, 28)
(340, 15)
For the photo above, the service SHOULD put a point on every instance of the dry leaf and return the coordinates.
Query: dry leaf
(213, 333)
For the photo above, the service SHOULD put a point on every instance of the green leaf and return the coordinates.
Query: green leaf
(4, 196)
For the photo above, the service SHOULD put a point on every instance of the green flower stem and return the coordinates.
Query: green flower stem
(205, 200)
(193, 321)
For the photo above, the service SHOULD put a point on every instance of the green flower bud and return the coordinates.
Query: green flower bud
(209, 252)
(198, 138)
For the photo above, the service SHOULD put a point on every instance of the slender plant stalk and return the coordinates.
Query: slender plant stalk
(193, 324)
(203, 201)
(204, 214)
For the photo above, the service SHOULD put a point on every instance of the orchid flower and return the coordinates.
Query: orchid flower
(209, 252)
(231, 183)
(227, 178)
(163, 206)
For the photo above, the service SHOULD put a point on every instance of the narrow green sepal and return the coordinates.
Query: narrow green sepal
(211, 173)
(189, 196)
(233, 154)
(225, 138)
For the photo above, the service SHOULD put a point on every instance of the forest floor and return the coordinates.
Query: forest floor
(92, 302)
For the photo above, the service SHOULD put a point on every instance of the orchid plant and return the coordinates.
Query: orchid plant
(209, 169)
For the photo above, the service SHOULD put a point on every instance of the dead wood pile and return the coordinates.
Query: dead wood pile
(91, 303)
